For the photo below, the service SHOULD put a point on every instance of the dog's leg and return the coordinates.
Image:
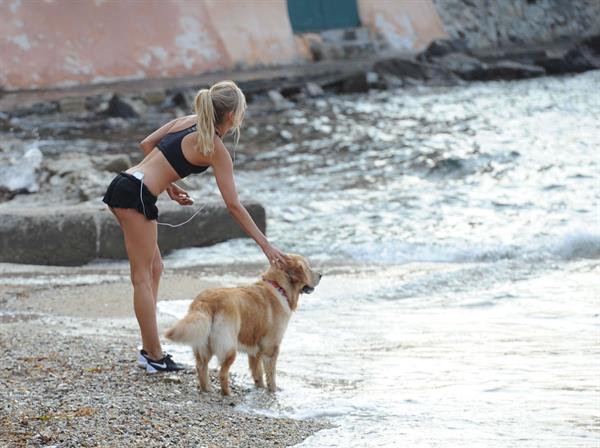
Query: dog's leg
(257, 370)
(224, 372)
(202, 369)
(270, 363)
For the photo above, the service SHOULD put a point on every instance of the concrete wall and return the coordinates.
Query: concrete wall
(76, 235)
(55, 43)
(407, 25)
(64, 42)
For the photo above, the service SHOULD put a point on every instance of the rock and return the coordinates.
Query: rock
(592, 40)
(114, 163)
(73, 105)
(49, 107)
(154, 98)
(118, 107)
(441, 47)
(286, 135)
(401, 68)
(464, 66)
(575, 60)
(22, 174)
(313, 89)
(356, 83)
(510, 70)
(177, 100)
(278, 100)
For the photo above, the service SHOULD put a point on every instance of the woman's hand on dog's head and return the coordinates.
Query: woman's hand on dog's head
(276, 257)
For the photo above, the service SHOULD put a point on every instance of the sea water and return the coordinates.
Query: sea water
(458, 231)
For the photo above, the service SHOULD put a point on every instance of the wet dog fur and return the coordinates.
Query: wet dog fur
(251, 319)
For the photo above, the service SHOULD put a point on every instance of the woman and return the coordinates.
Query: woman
(183, 146)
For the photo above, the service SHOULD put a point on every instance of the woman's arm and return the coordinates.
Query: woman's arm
(223, 169)
(152, 140)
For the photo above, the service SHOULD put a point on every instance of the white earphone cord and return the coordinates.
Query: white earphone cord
(187, 220)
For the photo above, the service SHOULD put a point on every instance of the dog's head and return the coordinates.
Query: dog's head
(297, 277)
(301, 274)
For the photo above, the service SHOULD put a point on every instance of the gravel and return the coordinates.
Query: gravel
(67, 388)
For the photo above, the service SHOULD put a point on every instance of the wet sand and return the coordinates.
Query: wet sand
(71, 378)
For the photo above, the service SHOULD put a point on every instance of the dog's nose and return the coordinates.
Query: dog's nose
(320, 275)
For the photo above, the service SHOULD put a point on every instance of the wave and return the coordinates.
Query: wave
(573, 245)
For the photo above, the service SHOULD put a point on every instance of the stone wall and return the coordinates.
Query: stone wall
(494, 23)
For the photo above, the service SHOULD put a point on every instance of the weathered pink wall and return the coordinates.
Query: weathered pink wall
(47, 43)
(52, 43)
(255, 32)
(407, 25)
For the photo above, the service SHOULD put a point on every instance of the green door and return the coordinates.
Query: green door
(319, 15)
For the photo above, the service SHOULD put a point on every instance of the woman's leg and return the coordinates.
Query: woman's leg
(157, 269)
(141, 243)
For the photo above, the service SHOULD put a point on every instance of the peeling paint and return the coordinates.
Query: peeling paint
(14, 6)
(159, 53)
(192, 39)
(75, 66)
(390, 31)
(21, 40)
(145, 59)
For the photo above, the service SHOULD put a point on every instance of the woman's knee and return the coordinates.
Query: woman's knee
(141, 276)
(157, 266)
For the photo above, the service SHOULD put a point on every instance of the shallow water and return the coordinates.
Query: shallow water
(459, 231)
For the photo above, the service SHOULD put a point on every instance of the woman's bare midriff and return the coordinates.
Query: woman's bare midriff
(158, 173)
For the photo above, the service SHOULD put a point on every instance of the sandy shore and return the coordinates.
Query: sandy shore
(71, 379)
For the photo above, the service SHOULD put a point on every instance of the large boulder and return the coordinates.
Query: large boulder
(578, 59)
(79, 234)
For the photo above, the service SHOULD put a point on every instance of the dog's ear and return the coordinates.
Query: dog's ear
(295, 273)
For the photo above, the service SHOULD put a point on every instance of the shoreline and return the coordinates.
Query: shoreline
(73, 380)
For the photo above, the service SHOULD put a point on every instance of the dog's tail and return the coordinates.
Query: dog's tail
(193, 329)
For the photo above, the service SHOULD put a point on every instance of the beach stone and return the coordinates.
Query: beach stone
(118, 107)
(278, 100)
(314, 89)
(356, 83)
(73, 105)
(114, 163)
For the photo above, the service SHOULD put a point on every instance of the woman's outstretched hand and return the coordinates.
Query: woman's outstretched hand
(179, 195)
(277, 258)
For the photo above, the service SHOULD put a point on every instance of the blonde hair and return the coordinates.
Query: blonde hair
(211, 106)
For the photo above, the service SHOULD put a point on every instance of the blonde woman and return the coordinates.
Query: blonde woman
(183, 146)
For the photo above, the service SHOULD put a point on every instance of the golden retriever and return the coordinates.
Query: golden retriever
(249, 318)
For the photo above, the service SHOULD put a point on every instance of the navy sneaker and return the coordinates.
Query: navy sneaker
(165, 364)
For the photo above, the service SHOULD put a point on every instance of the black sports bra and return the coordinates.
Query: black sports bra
(170, 146)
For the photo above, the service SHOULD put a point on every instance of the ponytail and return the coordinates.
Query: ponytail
(205, 111)
(212, 106)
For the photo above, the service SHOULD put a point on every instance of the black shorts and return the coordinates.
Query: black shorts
(124, 192)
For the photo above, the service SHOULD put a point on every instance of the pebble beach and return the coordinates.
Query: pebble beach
(71, 377)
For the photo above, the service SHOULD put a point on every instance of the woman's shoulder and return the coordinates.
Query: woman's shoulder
(181, 123)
